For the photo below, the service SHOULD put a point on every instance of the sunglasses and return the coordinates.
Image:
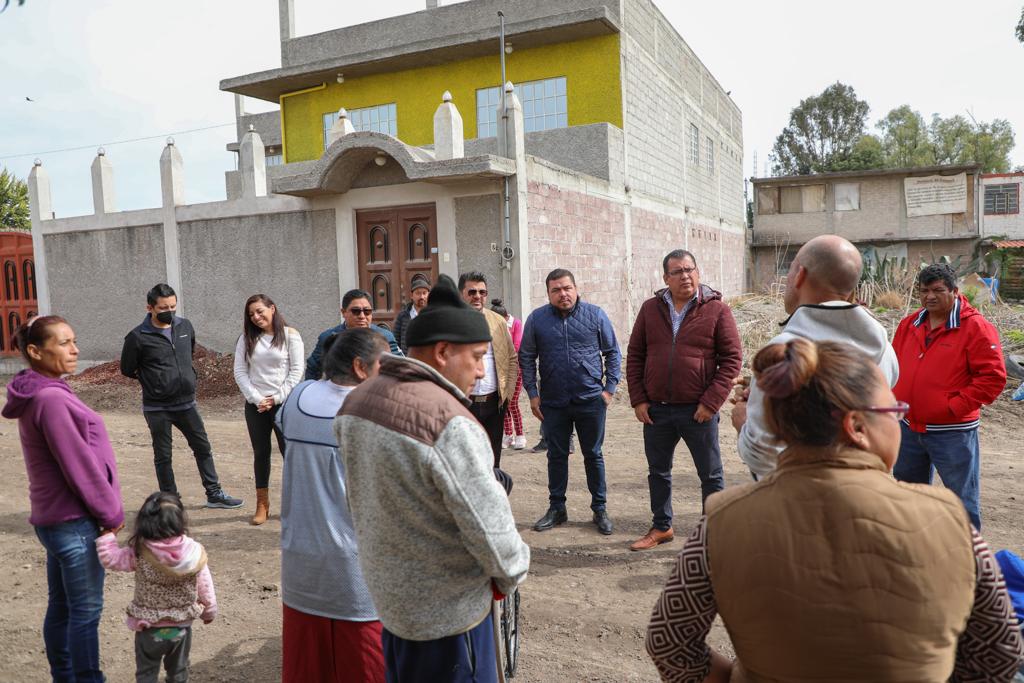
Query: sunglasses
(364, 311)
(476, 292)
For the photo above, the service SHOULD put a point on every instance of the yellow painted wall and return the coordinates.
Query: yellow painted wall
(590, 67)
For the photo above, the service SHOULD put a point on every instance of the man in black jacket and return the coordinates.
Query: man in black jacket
(158, 353)
(420, 291)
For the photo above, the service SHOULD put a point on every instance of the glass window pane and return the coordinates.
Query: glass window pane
(560, 86)
(549, 88)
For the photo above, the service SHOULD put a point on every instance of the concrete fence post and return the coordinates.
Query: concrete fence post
(40, 210)
(448, 135)
(102, 184)
(342, 127)
(252, 165)
(172, 189)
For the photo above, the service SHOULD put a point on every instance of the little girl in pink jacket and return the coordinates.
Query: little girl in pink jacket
(173, 586)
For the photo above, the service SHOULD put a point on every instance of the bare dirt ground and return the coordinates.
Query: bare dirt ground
(585, 604)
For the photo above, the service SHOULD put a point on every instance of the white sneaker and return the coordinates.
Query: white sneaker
(519, 442)
(506, 441)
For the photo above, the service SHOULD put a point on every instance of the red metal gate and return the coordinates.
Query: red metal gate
(18, 291)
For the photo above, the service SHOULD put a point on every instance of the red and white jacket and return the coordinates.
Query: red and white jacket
(948, 380)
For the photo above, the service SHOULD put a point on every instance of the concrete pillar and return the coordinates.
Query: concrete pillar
(40, 210)
(448, 136)
(512, 144)
(252, 165)
(341, 127)
(172, 189)
(102, 184)
(286, 17)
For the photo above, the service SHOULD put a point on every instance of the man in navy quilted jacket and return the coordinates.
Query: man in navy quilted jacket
(579, 370)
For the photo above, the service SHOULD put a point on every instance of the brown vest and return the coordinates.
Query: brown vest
(830, 570)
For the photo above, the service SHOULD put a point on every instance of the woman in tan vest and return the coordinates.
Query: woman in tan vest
(828, 569)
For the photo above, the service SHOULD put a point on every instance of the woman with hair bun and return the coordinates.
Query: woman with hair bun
(828, 569)
(73, 491)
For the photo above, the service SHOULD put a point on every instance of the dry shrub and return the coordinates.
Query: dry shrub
(890, 300)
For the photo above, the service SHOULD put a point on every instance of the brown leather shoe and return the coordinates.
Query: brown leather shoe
(652, 538)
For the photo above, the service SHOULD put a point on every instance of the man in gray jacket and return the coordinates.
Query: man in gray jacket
(434, 528)
(820, 287)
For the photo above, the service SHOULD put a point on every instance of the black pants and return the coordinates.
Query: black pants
(260, 425)
(673, 422)
(190, 424)
(491, 415)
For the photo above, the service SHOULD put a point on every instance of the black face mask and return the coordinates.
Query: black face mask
(165, 317)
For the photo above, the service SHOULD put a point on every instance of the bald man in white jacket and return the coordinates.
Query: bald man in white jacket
(819, 288)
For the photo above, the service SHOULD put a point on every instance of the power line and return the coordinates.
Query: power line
(111, 144)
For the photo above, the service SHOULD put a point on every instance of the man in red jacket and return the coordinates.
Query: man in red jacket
(683, 356)
(951, 364)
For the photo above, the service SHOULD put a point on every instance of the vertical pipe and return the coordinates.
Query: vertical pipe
(505, 259)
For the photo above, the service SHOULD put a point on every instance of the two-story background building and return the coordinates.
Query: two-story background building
(393, 152)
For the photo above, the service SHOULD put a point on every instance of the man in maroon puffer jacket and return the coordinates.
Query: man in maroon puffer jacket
(683, 356)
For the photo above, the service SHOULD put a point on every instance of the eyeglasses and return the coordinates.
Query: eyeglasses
(476, 292)
(899, 410)
(361, 311)
(679, 272)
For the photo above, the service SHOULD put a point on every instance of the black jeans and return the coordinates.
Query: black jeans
(674, 421)
(491, 415)
(588, 419)
(260, 425)
(190, 424)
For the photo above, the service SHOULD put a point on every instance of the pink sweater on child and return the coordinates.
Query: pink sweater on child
(179, 554)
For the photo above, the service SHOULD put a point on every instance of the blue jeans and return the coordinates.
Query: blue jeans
(75, 578)
(463, 658)
(671, 423)
(955, 454)
(588, 420)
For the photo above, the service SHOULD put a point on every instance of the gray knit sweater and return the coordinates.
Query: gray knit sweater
(433, 525)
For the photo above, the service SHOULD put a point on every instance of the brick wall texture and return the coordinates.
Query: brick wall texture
(587, 234)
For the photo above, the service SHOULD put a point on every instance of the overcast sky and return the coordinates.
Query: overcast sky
(101, 71)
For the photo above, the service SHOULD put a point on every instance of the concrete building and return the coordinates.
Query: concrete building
(917, 214)
(1001, 215)
(401, 152)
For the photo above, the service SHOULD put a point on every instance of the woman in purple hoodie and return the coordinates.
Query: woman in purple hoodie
(73, 490)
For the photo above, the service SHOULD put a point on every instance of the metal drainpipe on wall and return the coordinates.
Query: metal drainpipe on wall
(507, 252)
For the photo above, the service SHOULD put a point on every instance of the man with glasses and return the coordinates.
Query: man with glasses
(820, 288)
(683, 356)
(951, 364)
(490, 394)
(356, 311)
(574, 344)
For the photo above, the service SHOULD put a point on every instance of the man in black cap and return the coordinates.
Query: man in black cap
(420, 291)
(436, 535)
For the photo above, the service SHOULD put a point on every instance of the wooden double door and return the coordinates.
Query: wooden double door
(395, 244)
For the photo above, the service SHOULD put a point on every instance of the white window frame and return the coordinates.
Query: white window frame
(274, 159)
(709, 156)
(545, 106)
(380, 118)
(694, 145)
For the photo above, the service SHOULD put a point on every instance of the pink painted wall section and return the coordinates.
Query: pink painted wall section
(585, 234)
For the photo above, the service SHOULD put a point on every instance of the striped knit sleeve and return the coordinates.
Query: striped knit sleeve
(683, 615)
(990, 648)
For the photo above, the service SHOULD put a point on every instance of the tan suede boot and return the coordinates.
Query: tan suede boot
(262, 507)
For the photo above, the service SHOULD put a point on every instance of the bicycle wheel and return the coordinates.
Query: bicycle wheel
(510, 632)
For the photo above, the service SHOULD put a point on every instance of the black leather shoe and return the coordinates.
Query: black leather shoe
(603, 522)
(551, 519)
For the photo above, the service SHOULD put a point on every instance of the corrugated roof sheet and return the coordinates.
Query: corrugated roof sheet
(1008, 244)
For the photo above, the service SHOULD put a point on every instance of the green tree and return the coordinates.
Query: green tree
(866, 154)
(905, 139)
(14, 213)
(959, 141)
(822, 132)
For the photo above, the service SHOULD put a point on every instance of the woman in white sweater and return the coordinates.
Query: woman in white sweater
(268, 364)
